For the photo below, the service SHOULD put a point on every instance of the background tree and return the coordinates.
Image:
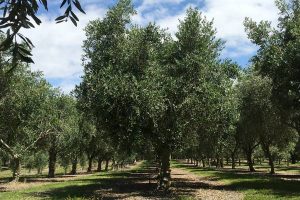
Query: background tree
(249, 124)
(64, 128)
(278, 58)
(23, 116)
(261, 121)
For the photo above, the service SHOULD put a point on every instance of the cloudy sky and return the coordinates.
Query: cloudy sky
(58, 46)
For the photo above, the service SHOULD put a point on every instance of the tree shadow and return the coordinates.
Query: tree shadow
(135, 183)
(280, 185)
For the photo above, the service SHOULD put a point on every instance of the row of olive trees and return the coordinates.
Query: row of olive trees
(256, 124)
(39, 125)
(264, 103)
(35, 117)
(276, 76)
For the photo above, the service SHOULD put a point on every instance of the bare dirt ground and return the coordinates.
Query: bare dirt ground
(207, 189)
(141, 185)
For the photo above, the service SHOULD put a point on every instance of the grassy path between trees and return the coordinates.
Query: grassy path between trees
(138, 183)
(257, 186)
(84, 186)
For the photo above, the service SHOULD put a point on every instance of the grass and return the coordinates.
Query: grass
(82, 187)
(254, 186)
(6, 173)
(62, 189)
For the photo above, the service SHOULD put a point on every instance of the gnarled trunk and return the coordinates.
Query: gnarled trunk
(16, 167)
(39, 170)
(221, 163)
(90, 164)
(106, 164)
(271, 160)
(165, 172)
(249, 161)
(203, 162)
(217, 163)
(15, 162)
(52, 161)
(74, 166)
(99, 167)
(233, 160)
(293, 158)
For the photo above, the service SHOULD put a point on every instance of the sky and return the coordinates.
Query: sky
(58, 47)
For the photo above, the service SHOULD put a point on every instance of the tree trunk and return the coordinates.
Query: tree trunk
(249, 161)
(203, 163)
(52, 161)
(16, 167)
(99, 167)
(239, 162)
(165, 172)
(271, 163)
(221, 163)
(4, 162)
(217, 162)
(232, 161)
(271, 160)
(113, 165)
(293, 158)
(106, 164)
(90, 164)
(74, 166)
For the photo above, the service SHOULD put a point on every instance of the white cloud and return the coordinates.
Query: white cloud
(162, 16)
(58, 47)
(228, 18)
(149, 4)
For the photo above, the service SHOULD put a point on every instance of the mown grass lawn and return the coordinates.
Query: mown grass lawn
(253, 186)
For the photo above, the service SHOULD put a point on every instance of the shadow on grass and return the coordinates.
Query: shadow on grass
(122, 185)
(279, 185)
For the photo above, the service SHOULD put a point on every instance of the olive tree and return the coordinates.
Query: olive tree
(23, 115)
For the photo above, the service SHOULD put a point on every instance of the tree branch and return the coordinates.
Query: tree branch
(42, 134)
(6, 147)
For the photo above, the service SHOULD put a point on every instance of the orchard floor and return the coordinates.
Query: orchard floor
(260, 185)
(138, 182)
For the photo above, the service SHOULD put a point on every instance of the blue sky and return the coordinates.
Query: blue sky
(58, 46)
